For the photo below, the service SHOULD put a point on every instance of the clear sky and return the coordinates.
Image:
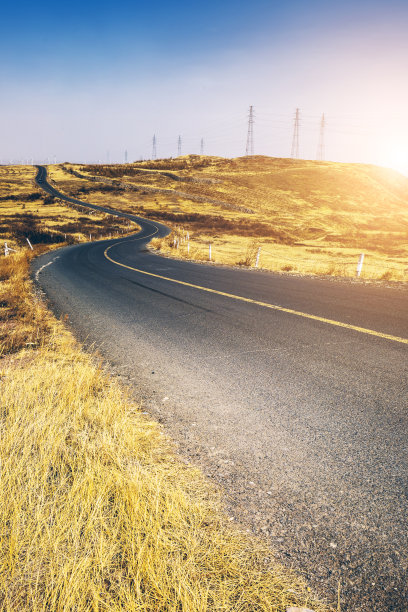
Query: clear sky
(85, 81)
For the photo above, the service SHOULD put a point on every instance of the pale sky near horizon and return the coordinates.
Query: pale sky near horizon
(87, 81)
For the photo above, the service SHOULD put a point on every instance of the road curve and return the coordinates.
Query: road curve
(301, 417)
(149, 229)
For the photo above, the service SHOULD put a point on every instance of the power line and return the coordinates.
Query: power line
(154, 147)
(273, 129)
(250, 136)
(295, 139)
(320, 146)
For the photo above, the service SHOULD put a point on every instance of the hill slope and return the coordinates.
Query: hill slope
(318, 216)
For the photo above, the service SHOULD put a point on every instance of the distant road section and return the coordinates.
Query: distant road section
(149, 229)
(290, 392)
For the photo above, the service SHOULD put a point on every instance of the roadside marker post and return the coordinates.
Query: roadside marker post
(257, 257)
(188, 247)
(209, 252)
(360, 265)
(29, 244)
(297, 313)
(7, 250)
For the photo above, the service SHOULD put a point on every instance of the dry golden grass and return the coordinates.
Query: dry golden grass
(308, 217)
(98, 515)
(23, 319)
(27, 211)
(241, 251)
(97, 512)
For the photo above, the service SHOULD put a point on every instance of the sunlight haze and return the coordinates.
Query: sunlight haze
(87, 82)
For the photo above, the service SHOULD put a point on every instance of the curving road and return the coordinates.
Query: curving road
(290, 392)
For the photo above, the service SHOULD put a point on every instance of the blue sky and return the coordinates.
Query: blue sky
(82, 79)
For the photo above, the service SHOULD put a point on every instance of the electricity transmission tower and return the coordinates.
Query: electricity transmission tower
(250, 136)
(126, 158)
(154, 147)
(202, 147)
(295, 140)
(320, 146)
(179, 146)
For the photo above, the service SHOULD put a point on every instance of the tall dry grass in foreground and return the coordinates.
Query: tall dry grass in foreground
(24, 322)
(96, 511)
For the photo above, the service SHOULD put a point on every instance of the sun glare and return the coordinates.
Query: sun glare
(397, 159)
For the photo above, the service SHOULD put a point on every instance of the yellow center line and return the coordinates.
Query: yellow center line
(298, 313)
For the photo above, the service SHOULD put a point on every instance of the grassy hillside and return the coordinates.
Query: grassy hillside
(313, 217)
(28, 212)
(97, 512)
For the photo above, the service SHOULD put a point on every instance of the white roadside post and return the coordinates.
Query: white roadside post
(360, 265)
(29, 244)
(8, 249)
(209, 251)
(188, 247)
(90, 238)
(257, 257)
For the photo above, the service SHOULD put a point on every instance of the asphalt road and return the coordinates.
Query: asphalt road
(301, 420)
